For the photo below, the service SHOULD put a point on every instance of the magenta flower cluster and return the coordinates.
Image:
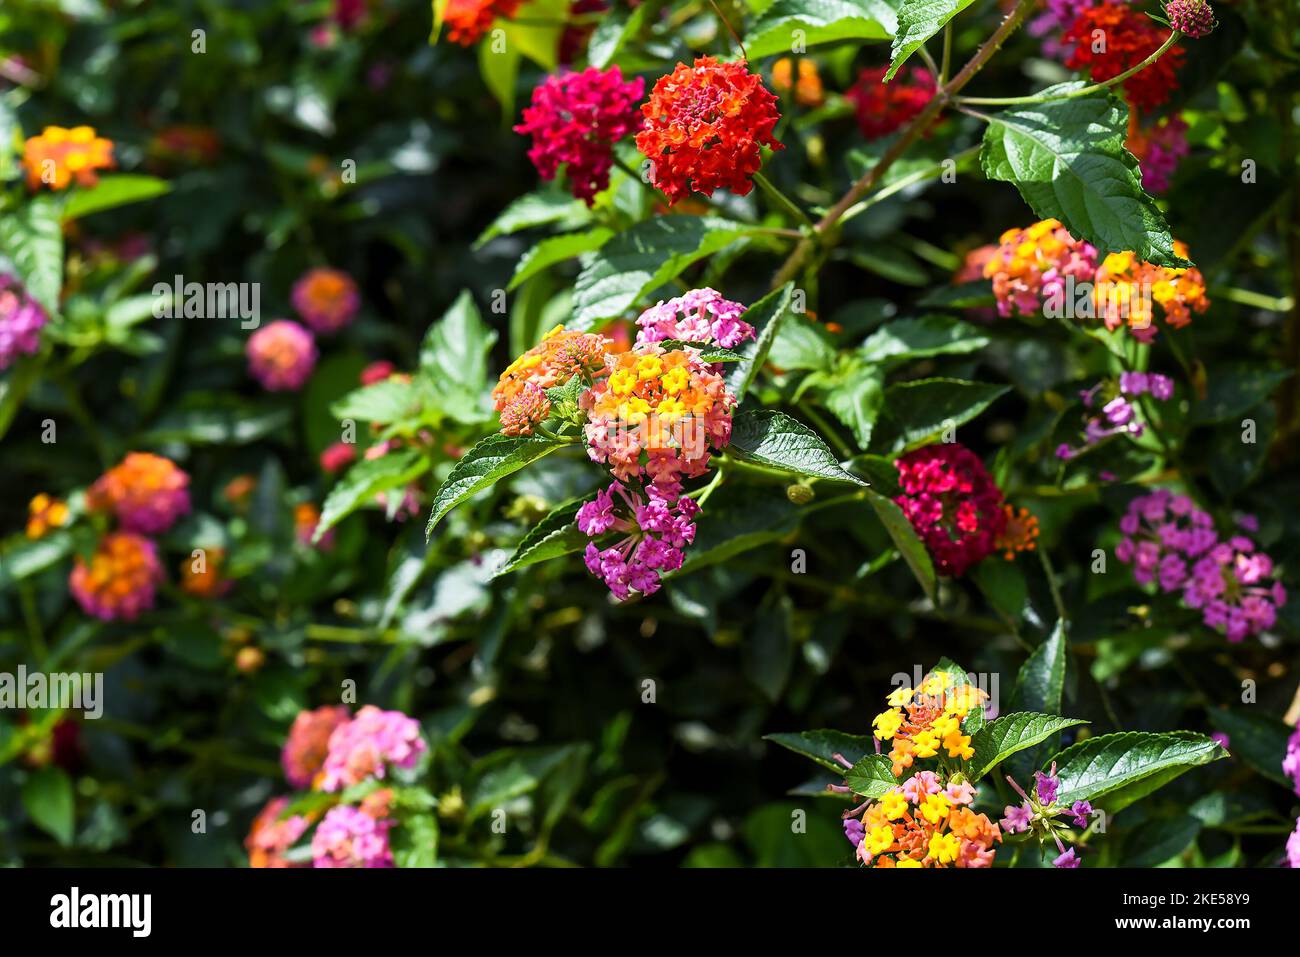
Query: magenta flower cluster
(1166, 147)
(699, 316)
(655, 529)
(575, 119)
(21, 321)
(1116, 414)
(349, 837)
(1037, 812)
(363, 747)
(1171, 542)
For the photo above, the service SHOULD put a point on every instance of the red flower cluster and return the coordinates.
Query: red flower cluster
(881, 108)
(575, 119)
(953, 503)
(1114, 37)
(704, 128)
(467, 20)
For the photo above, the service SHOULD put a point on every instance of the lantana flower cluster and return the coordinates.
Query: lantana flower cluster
(922, 823)
(1030, 266)
(1038, 813)
(365, 746)
(1112, 406)
(705, 126)
(327, 299)
(281, 356)
(921, 722)
(468, 20)
(146, 493)
(574, 121)
(699, 316)
(1122, 283)
(21, 321)
(883, 108)
(1291, 768)
(953, 504)
(803, 80)
(1130, 37)
(654, 529)
(1171, 542)
(1159, 149)
(58, 157)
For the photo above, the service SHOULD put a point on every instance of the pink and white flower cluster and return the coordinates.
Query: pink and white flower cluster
(699, 316)
(364, 746)
(1171, 542)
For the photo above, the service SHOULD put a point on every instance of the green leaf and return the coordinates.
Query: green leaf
(1068, 160)
(1233, 390)
(1129, 765)
(1003, 583)
(453, 358)
(766, 316)
(907, 339)
(906, 541)
(1160, 841)
(221, 420)
(48, 800)
(1042, 678)
(415, 841)
(615, 29)
(113, 191)
(26, 557)
(638, 261)
(31, 237)
(361, 483)
(732, 525)
(800, 344)
(822, 21)
(486, 463)
(557, 534)
(821, 745)
(391, 400)
(1259, 739)
(709, 353)
(544, 208)
(557, 249)
(918, 21)
(856, 399)
(919, 412)
(997, 741)
(872, 776)
(500, 72)
(776, 441)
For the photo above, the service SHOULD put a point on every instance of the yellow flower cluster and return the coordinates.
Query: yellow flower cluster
(923, 721)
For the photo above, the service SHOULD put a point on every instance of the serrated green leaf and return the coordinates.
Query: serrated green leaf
(557, 249)
(918, 21)
(918, 412)
(774, 440)
(638, 261)
(615, 29)
(820, 745)
(486, 463)
(367, 478)
(1000, 739)
(544, 208)
(1122, 765)
(907, 339)
(1161, 840)
(1259, 739)
(1068, 160)
(453, 360)
(1041, 680)
(856, 400)
(821, 21)
(871, 777)
(557, 534)
(906, 541)
(709, 353)
(767, 317)
(31, 238)
(391, 400)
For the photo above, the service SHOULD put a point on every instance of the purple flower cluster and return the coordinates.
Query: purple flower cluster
(1170, 541)
(1117, 414)
(1291, 763)
(1037, 812)
(700, 316)
(349, 837)
(21, 321)
(362, 747)
(656, 527)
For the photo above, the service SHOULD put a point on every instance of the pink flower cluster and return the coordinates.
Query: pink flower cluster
(21, 321)
(700, 316)
(1170, 541)
(1291, 763)
(1031, 265)
(307, 745)
(349, 837)
(655, 529)
(953, 504)
(362, 747)
(1054, 20)
(281, 356)
(1160, 151)
(1117, 415)
(575, 119)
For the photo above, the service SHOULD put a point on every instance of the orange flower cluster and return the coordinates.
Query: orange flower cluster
(146, 492)
(705, 128)
(467, 20)
(1019, 534)
(1122, 283)
(120, 580)
(921, 824)
(44, 514)
(807, 88)
(202, 579)
(58, 156)
(922, 721)
(554, 361)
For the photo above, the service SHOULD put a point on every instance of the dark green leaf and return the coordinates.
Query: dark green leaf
(1000, 739)
(555, 535)
(1127, 766)
(774, 440)
(361, 483)
(820, 746)
(484, 465)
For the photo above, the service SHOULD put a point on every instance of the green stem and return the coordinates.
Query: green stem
(1073, 94)
(947, 54)
(1050, 572)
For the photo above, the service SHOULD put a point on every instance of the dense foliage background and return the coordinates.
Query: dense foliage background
(303, 137)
